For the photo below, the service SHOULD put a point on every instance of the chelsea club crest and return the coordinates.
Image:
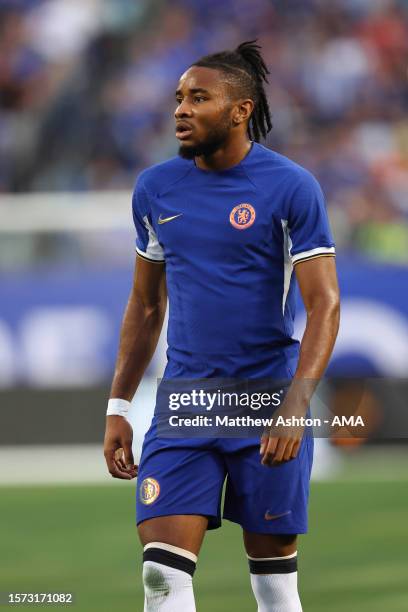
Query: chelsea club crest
(149, 491)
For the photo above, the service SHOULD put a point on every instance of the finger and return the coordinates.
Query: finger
(117, 472)
(113, 468)
(119, 458)
(296, 447)
(264, 442)
(109, 457)
(130, 469)
(120, 462)
(270, 451)
(280, 450)
(121, 465)
(119, 454)
(288, 450)
(120, 474)
(128, 455)
(273, 445)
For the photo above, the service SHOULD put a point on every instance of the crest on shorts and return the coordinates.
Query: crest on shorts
(242, 216)
(149, 491)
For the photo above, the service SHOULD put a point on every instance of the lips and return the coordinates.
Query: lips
(183, 130)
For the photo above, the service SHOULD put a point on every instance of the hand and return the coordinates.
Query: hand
(118, 448)
(282, 442)
(278, 450)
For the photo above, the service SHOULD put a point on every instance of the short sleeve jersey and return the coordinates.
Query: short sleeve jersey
(230, 240)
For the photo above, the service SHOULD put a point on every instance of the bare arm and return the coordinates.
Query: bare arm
(141, 327)
(320, 293)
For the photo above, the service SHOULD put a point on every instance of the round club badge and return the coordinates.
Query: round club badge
(242, 216)
(149, 491)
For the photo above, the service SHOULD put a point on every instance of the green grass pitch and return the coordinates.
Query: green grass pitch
(82, 539)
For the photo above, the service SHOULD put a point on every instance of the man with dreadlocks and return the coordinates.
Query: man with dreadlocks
(221, 228)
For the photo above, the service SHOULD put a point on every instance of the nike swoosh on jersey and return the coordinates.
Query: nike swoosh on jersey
(273, 517)
(167, 219)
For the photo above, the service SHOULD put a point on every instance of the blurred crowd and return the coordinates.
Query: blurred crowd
(87, 96)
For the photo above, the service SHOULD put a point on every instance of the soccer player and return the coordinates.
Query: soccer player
(225, 229)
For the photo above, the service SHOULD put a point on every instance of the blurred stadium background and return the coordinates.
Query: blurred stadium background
(86, 102)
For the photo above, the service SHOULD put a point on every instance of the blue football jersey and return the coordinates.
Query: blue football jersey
(230, 240)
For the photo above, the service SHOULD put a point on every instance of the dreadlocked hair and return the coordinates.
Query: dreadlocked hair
(246, 71)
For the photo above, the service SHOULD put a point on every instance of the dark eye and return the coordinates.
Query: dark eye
(199, 99)
(178, 100)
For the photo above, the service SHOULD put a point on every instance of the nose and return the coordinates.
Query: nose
(183, 110)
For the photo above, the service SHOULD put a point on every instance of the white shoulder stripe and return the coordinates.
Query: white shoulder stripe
(287, 263)
(143, 255)
(312, 253)
(153, 250)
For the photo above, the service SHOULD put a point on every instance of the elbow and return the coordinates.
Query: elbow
(335, 312)
(333, 303)
(326, 307)
(148, 308)
(155, 310)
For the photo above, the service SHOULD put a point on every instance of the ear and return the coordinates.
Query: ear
(242, 111)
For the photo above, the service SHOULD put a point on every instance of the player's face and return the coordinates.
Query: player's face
(203, 113)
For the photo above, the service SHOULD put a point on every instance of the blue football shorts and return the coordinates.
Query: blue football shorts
(187, 476)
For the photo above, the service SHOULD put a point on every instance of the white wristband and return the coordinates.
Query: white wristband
(119, 407)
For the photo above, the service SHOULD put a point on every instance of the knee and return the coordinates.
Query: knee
(270, 545)
(155, 582)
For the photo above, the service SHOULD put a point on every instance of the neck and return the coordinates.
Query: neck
(227, 156)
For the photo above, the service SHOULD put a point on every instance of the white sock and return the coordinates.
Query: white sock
(274, 583)
(168, 578)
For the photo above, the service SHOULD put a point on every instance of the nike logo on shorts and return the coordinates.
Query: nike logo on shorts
(167, 219)
(273, 517)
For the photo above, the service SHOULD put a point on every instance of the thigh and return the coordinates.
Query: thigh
(184, 531)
